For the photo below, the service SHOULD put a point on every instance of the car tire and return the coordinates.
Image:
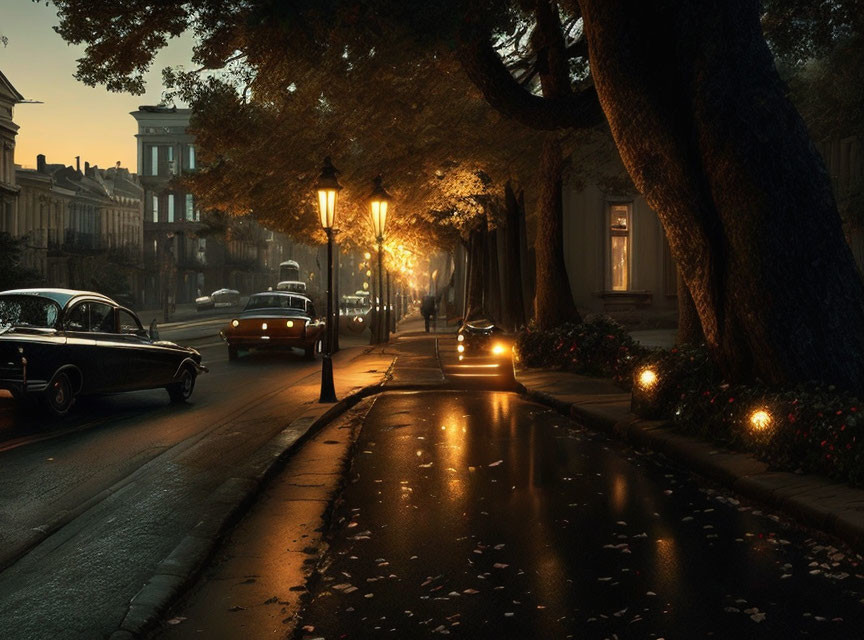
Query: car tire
(59, 396)
(181, 390)
(233, 353)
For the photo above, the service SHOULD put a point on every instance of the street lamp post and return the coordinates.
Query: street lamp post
(379, 202)
(328, 188)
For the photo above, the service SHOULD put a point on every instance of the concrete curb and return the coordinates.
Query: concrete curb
(814, 501)
(227, 506)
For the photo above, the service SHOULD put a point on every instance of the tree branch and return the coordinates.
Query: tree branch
(489, 74)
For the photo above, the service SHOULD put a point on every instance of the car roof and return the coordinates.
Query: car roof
(292, 294)
(60, 296)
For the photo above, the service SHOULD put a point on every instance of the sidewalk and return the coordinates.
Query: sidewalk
(599, 404)
(252, 587)
(358, 372)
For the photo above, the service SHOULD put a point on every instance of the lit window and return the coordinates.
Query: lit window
(619, 247)
(190, 207)
(191, 163)
(154, 160)
(170, 207)
(155, 208)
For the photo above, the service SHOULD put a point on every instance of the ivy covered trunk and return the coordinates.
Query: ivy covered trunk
(702, 123)
(553, 301)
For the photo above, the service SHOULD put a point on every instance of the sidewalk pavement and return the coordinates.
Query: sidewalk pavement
(358, 373)
(599, 404)
(252, 589)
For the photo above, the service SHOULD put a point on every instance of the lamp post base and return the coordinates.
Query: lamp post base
(328, 392)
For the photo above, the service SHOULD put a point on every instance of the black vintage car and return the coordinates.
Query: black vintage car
(57, 344)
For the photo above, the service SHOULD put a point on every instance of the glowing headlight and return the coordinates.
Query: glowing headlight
(460, 338)
(498, 349)
(263, 326)
(288, 324)
(460, 348)
(235, 323)
(358, 319)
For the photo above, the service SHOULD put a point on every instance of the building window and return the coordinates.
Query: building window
(170, 207)
(154, 160)
(155, 248)
(191, 159)
(155, 208)
(170, 155)
(619, 246)
(190, 207)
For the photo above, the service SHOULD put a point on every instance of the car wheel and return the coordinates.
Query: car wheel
(59, 396)
(233, 352)
(182, 389)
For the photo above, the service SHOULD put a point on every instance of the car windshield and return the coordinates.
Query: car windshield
(275, 302)
(27, 311)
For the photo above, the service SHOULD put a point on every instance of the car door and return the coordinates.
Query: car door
(145, 366)
(112, 366)
(81, 344)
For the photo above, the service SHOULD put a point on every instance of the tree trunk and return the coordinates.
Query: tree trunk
(475, 283)
(701, 121)
(689, 326)
(553, 301)
(513, 264)
(492, 283)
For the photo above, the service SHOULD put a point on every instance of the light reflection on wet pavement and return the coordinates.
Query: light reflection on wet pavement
(479, 514)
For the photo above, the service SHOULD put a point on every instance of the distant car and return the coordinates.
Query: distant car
(219, 299)
(275, 319)
(294, 286)
(354, 313)
(57, 344)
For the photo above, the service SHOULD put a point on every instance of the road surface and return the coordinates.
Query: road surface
(120, 482)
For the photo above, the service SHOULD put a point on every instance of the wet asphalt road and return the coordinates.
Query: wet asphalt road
(481, 515)
(127, 476)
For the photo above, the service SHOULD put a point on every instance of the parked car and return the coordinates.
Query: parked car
(294, 286)
(275, 319)
(482, 337)
(57, 344)
(219, 299)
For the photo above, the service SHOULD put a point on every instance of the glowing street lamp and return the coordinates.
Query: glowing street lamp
(328, 189)
(379, 203)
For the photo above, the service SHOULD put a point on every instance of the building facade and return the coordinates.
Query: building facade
(9, 97)
(82, 229)
(189, 252)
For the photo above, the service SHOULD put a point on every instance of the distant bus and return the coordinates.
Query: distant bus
(289, 270)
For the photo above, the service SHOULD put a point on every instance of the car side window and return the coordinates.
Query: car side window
(101, 317)
(127, 322)
(297, 303)
(78, 318)
(310, 310)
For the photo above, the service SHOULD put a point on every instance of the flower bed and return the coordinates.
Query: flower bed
(812, 428)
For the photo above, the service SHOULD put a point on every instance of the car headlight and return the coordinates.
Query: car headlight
(460, 338)
(235, 323)
(263, 326)
(460, 348)
(289, 323)
(498, 349)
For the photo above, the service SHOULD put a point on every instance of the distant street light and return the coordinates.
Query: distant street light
(379, 203)
(328, 188)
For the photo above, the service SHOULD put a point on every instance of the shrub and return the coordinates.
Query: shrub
(599, 346)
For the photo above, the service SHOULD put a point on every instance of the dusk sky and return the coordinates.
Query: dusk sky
(74, 119)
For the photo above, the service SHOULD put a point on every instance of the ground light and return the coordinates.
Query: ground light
(647, 379)
(760, 420)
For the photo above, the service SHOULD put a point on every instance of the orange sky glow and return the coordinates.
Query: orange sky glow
(75, 120)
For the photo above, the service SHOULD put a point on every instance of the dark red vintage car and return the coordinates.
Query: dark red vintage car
(275, 319)
(56, 344)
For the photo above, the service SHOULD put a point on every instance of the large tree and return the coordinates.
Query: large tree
(695, 104)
